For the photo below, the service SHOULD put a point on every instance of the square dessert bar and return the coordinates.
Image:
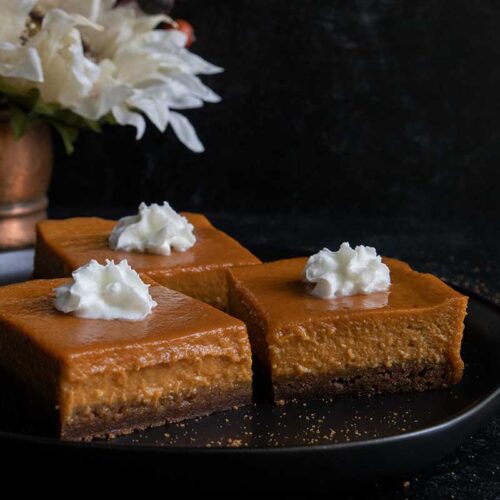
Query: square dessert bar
(201, 272)
(405, 339)
(102, 378)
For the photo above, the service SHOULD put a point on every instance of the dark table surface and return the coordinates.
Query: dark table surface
(465, 253)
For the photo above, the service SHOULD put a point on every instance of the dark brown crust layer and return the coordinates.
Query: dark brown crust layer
(411, 376)
(111, 421)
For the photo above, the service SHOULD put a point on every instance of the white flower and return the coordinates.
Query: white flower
(158, 67)
(134, 69)
(68, 76)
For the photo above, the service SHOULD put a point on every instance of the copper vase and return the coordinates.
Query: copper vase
(25, 170)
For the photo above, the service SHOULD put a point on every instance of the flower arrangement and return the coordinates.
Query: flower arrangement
(84, 63)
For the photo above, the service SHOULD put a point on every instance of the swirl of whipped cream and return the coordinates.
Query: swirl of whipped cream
(111, 291)
(346, 272)
(155, 229)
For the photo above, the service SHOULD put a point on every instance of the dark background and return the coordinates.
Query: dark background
(373, 121)
(342, 107)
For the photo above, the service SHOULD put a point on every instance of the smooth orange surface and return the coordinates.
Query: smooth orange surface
(277, 288)
(93, 344)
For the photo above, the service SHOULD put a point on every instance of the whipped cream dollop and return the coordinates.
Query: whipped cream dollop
(155, 229)
(348, 271)
(111, 291)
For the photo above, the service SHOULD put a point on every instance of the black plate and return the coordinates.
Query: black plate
(301, 443)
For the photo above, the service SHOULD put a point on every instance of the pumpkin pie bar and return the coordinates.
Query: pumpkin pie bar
(405, 339)
(200, 272)
(102, 378)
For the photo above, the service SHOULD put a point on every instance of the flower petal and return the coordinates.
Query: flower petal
(20, 62)
(126, 117)
(13, 16)
(195, 86)
(185, 132)
(198, 65)
(155, 109)
(91, 9)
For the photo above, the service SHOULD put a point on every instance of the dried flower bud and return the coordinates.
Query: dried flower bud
(187, 29)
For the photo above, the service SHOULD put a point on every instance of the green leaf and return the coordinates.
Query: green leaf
(109, 119)
(68, 135)
(42, 108)
(93, 125)
(18, 121)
